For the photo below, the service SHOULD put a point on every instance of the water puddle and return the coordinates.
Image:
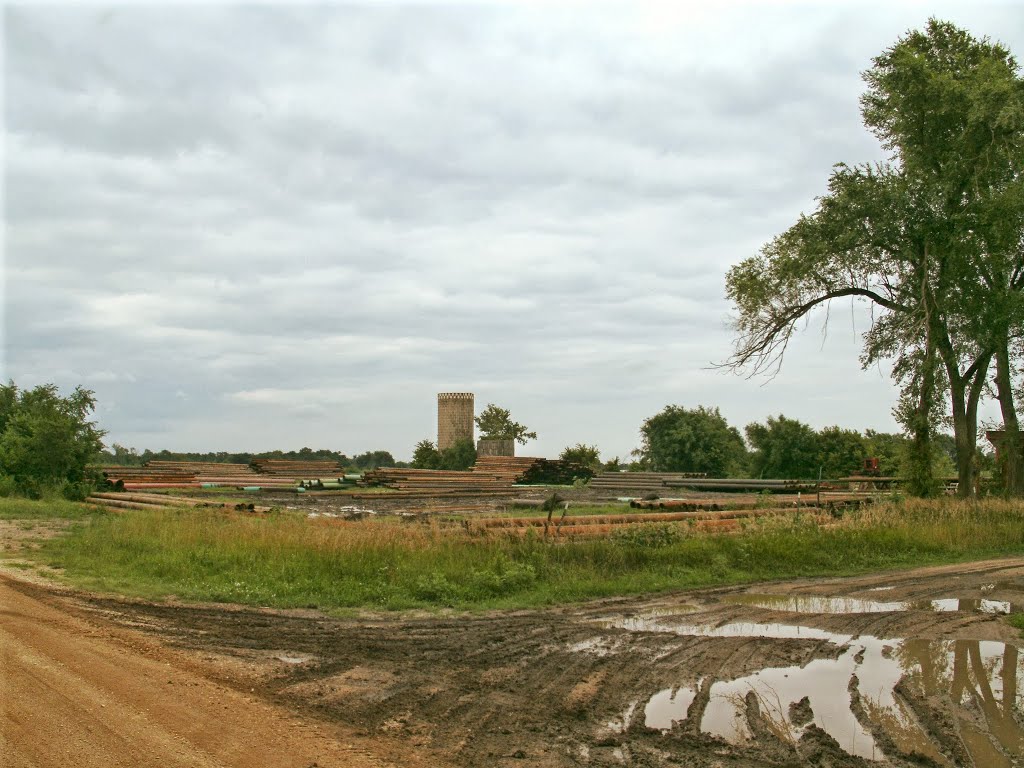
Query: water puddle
(852, 697)
(770, 630)
(821, 604)
(295, 659)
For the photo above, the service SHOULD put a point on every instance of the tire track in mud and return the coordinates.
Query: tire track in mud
(550, 688)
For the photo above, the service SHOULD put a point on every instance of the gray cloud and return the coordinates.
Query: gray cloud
(280, 226)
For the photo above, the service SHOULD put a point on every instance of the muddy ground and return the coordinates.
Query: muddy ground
(720, 677)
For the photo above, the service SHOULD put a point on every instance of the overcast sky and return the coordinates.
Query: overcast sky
(250, 228)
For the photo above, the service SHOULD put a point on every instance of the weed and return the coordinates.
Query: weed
(1016, 620)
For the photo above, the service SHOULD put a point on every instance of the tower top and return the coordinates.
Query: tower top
(454, 395)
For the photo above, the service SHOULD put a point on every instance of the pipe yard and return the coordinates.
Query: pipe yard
(498, 495)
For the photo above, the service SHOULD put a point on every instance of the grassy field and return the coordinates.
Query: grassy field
(15, 508)
(286, 560)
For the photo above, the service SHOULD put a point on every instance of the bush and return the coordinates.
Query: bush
(76, 491)
(8, 486)
(46, 440)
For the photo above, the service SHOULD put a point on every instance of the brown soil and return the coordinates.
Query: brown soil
(118, 681)
(79, 692)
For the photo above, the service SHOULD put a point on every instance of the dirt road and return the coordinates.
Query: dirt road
(76, 692)
(915, 668)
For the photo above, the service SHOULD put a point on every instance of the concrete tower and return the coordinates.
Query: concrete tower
(454, 418)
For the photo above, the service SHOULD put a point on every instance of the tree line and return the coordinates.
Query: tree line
(701, 440)
(119, 455)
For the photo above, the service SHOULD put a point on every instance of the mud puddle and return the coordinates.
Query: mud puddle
(854, 698)
(831, 605)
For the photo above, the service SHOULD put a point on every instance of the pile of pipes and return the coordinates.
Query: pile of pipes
(830, 501)
(510, 468)
(623, 483)
(116, 502)
(191, 474)
(298, 468)
(334, 483)
(593, 526)
(488, 474)
(436, 480)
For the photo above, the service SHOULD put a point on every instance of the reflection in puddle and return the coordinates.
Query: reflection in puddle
(982, 680)
(771, 630)
(985, 606)
(820, 604)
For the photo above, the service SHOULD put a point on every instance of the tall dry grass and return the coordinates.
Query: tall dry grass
(288, 560)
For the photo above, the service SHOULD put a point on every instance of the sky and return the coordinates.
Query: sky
(256, 227)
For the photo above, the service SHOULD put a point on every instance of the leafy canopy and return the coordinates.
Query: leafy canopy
(585, 455)
(691, 440)
(496, 424)
(46, 439)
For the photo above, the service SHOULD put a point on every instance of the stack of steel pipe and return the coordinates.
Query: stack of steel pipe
(603, 525)
(433, 479)
(119, 501)
(637, 481)
(742, 484)
(299, 468)
(509, 468)
(139, 478)
(623, 482)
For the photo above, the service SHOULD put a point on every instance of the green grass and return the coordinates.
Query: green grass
(286, 560)
(1016, 620)
(17, 508)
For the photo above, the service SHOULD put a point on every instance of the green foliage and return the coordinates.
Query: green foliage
(119, 455)
(649, 536)
(1016, 620)
(841, 452)
(426, 456)
(691, 440)
(53, 506)
(496, 424)
(614, 465)
(783, 448)
(371, 460)
(459, 457)
(47, 441)
(888, 448)
(585, 455)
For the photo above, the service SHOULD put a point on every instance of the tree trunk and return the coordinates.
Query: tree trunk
(1010, 448)
(920, 469)
(964, 396)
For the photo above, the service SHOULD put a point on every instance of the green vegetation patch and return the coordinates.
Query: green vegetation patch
(54, 507)
(1016, 620)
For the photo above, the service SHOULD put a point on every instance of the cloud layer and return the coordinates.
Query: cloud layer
(250, 228)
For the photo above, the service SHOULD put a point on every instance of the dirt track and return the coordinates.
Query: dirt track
(80, 693)
(709, 678)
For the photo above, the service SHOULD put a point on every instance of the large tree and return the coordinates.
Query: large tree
(496, 424)
(783, 448)
(691, 440)
(46, 439)
(931, 240)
